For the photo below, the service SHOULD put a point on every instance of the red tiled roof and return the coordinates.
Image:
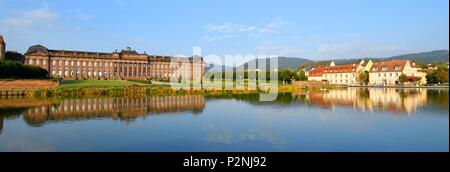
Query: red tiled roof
(389, 66)
(341, 68)
(318, 71)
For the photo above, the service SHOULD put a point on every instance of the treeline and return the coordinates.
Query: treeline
(438, 76)
(284, 76)
(16, 70)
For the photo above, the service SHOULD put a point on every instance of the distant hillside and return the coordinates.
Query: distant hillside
(296, 63)
(425, 57)
(287, 62)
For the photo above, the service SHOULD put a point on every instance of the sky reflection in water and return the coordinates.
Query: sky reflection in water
(337, 120)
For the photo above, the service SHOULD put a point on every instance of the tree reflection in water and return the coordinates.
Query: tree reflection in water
(37, 112)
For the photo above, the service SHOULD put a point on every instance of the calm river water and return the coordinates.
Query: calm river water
(378, 119)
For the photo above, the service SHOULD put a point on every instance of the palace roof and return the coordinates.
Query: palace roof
(37, 48)
(127, 53)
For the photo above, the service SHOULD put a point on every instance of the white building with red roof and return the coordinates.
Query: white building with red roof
(387, 73)
(346, 74)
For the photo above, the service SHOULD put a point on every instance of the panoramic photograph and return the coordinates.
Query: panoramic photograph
(224, 76)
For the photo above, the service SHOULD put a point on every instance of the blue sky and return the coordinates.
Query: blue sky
(309, 29)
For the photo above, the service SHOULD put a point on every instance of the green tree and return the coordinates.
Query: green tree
(15, 70)
(403, 78)
(286, 76)
(302, 76)
(364, 77)
(440, 75)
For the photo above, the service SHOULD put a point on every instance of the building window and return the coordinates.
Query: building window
(384, 68)
(397, 67)
(44, 62)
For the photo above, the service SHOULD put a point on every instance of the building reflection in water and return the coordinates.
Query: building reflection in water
(38, 112)
(120, 108)
(402, 101)
(1, 124)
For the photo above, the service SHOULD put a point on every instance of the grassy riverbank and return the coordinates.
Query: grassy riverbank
(127, 91)
(98, 83)
(95, 88)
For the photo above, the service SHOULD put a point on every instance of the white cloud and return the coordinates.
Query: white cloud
(270, 28)
(225, 28)
(42, 16)
(217, 38)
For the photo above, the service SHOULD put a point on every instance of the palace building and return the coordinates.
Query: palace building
(124, 65)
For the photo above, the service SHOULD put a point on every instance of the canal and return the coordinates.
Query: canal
(341, 120)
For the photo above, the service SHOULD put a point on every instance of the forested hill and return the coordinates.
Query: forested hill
(287, 62)
(295, 62)
(438, 56)
(425, 57)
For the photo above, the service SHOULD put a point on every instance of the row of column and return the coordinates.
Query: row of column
(115, 69)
